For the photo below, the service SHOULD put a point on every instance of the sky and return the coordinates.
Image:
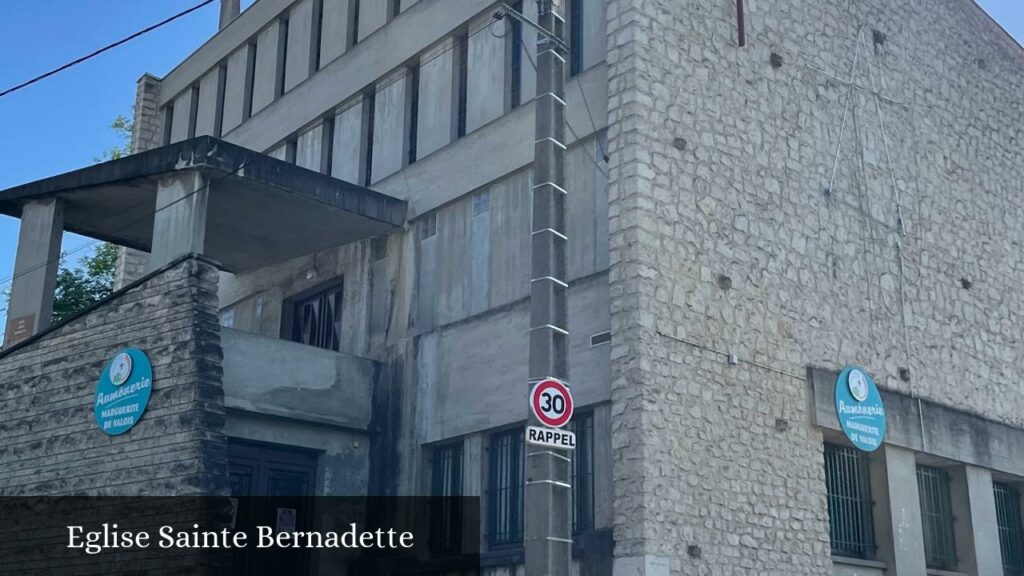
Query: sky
(63, 122)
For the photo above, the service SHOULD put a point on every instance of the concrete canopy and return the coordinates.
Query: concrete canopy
(261, 210)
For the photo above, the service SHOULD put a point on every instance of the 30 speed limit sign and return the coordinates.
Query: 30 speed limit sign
(551, 402)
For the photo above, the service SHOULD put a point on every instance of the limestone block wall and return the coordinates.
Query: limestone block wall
(51, 444)
(726, 233)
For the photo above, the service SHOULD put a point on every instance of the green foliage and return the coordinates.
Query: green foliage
(121, 125)
(86, 284)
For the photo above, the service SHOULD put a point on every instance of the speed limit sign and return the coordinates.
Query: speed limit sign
(551, 402)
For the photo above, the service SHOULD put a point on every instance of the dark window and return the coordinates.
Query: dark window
(316, 319)
(936, 517)
(505, 494)
(462, 47)
(414, 110)
(396, 8)
(218, 121)
(282, 56)
(369, 102)
(327, 146)
(583, 474)
(250, 80)
(446, 483)
(168, 121)
(1011, 533)
(355, 22)
(291, 150)
(318, 29)
(516, 57)
(575, 37)
(193, 111)
(849, 501)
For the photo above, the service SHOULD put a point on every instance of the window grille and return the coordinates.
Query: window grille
(462, 45)
(575, 37)
(446, 485)
(414, 110)
(583, 474)
(316, 320)
(516, 58)
(849, 501)
(936, 517)
(1011, 532)
(505, 481)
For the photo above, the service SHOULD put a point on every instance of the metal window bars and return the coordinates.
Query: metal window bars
(849, 501)
(936, 517)
(505, 498)
(1009, 524)
(583, 474)
(446, 487)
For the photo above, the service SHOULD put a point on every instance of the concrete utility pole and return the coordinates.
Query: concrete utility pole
(548, 519)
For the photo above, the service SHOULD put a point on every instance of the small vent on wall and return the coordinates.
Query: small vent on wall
(600, 338)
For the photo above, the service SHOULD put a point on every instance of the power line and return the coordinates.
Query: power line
(104, 49)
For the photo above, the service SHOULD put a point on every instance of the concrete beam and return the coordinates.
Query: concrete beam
(179, 225)
(35, 269)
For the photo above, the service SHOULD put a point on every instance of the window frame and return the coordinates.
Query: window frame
(943, 533)
(446, 508)
(851, 495)
(290, 304)
(1010, 526)
(512, 531)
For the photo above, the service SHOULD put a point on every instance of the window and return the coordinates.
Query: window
(318, 30)
(575, 37)
(316, 319)
(282, 56)
(515, 68)
(227, 318)
(193, 111)
(849, 501)
(369, 105)
(428, 226)
(396, 9)
(936, 517)
(505, 494)
(446, 483)
(462, 53)
(218, 121)
(250, 80)
(354, 25)
(1011, 533)
(327, 146)
(168, 121)
(291, 150)
(414, 110)
(583, 474)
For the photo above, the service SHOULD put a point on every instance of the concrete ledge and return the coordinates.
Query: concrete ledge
(294, 381)
(929, 428)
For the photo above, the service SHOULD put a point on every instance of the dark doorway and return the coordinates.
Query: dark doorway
(272, 484)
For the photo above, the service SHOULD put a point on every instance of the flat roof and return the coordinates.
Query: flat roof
(260, 210)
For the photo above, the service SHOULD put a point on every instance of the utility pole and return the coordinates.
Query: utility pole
(548, 519)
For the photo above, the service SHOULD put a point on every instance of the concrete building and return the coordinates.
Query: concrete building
(759, 195)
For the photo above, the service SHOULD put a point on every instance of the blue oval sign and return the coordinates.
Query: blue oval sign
(122, 392)
(859, 408)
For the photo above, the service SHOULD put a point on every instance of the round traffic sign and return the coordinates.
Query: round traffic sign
(551, 402)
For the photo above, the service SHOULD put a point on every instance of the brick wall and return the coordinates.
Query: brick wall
(51, 444)
(722, 234)
(147, 133)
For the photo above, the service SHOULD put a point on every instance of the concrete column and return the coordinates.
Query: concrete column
(985, 557)
(904, 522)
(228, 10)
(35, 269)
(179, 226)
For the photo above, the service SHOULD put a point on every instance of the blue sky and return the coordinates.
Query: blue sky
(62, 123)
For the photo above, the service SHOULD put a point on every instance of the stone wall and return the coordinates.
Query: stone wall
(51, 442)
(727, 238)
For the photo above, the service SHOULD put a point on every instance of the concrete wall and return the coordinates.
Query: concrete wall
(208, 112)
(308, 149)
(485, 77)
(266, 82)
(181, 119)
(235, 87)
(373, 14)
(721, 234)
(177, 448)
(349, 145)
(300, 54)
(437, 88)
(390, 139)
(335, 38)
